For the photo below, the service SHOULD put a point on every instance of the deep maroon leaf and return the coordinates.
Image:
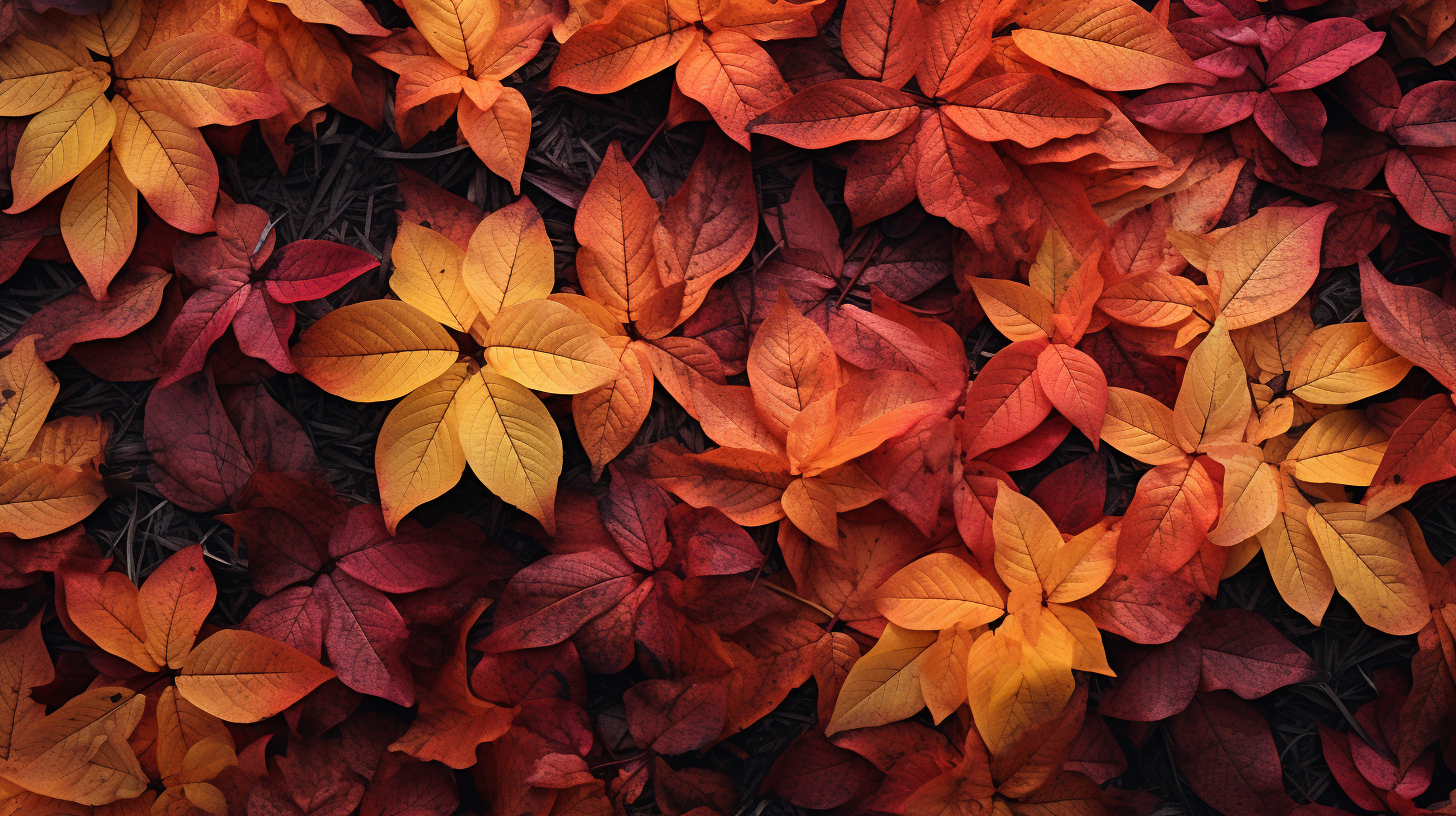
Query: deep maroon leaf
(1225, 749)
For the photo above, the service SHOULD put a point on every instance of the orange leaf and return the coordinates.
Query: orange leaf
(745, 485)
(107, 609)
(24, 664)
(1112, 45)
(939, 591)
(615, 225)
(636, 40)
(99, 221)
(500, 134)
(609, 416)
(240, 676)
(1263, 266)
(1172, 511)
(1028, 109)
(201, 79)
(173, 603)
(790, 364)
(838, 111)
(1005, 401)
(883, 39)
(1141, 427)
(884, 685)
(1076, 386)
(734, 78)
(959, 178)
(1373, 566)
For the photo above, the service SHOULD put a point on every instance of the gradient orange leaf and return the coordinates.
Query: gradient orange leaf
(1344, 447)
(419, 455)
(1250, 494)
(883, 39)
(1343, 363)
(173, 603)
(1141, 427)
(811, 507)
(1418, 453)
(500, 134)
(1005, 401)
(79, 751)
(958, 178)
(1076, 386)
(869, 409)
(791, 363)
(201, 79)
(937, 592)
(509, 260)
(838, 111)
(745, 485)
(99, 221)
(608, 417)
(1263, 266)
(1170, 514)
(170, 164)
(27, 390)
(107, 609)
(734, 78)
(634, 41)
(1015, 684)
(1015, 309)
(1112, 45)
(459, 30)
(1151, 299)
(1029, 109)
(39, 498)
(374, 350)
(240, 676)
(943, 671)
(1213, 406)
(615, 225)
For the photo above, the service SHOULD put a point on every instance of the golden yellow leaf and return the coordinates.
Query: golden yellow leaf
(936, 592)
(1088, 653)
(1151, 299)
(635, 40)
(1141, 427)
(1269, 346)
(512, 443)
(548, 347)
(509, 260)
(1014, 684)
(1340, 364)
(375, 350)
(110, 32)
(1213, 406)
(1372, 566)
(244, 677)
(1015, 309)
(1027, 541)
(1112, 45)
(1343, 447)
(33, 76)
(74, 441)
(1250, 494)
(99, 221)
(418, 456)
(38, 498)
(1293, 555)
(608, 417)
(200, 78)
(883, 686)
(1263, 266)
(427, 276)
(182, 726)
(459, 30)
(170, 164)
(27, 389)
(1083, 564)
(595, 313)
(943, 671)
(60, 141)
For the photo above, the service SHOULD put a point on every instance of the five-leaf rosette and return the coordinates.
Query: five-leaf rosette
(452, 63)
(469, 400)
(48, 470)
(937, 652)
(129, 124)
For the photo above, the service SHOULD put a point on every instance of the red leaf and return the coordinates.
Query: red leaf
(1197, 108)
(1154, 683)
(1243, 652)
(1293, 122)
(548, 601)
(1371, 92)
(711, 543)
(308, 270)
(672, 717)
(1005, 401)
(1096, 753)
(1425, 185)
(405, 786)
(1319, 52)
(838, 111)
(1225, 749)
(1336, 749)
(1427, 116)
(200, 461)
(1075, 493)
(1413, 322)
(366, 639)
(1143, 610)
(817, 774)
(635, 513)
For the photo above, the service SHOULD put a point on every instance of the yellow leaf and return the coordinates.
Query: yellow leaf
(459, 30)
(1343, 363)
(169, 162)
(595, 313)
(510, 260)
(79, 752)
(1271, 345)
(1015, 309)
(1083, 564)
(427, 276)
(943, 671)
(200, 79)
(1014, 685)
(27, 389)
(1250, 494)
(244, 677)
(1141, 427)
(33, 76)
(1344, 448)
(791, 363)
(1027, 542)
(375, 350)
(110, 32)
(99, 221)
(1293, 555)
(548, 347)
(512, 443)
(1088, 653)
(60, 141)
(181, 726)
(615, 224)
(1213, 406)
(884, 685)
(38, 498)
(72, 441)
(1263, 266)
(1112, 45)
(1372, 566)
(418, 456)
(609, 416)
(936, 592)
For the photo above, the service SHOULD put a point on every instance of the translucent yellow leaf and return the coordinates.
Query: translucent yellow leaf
(459, 30)
(375, 350)
(418, 456)
(99, 221)
(169, 162)
(608, 417)
(512, 443)
(1088, 653)
(936, 592)
(1343, 447)
(33, 76)
(1213, 406)
(1343, 363)
(427, 275)
(1372, 566)
(1015, 309)
(884, 685)
(548, 347)
(594, 312)
(1027, 541)
(27, 389)
(1141, 427)
(1263, 266)
(244, 677)
(60, 141)
(509, 260)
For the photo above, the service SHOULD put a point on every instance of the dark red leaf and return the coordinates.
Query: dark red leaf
(1153, 682)
(1244, 653)
(1225, 749)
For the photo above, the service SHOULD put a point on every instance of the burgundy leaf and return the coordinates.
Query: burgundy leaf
(200, 461)
(1319, 52)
